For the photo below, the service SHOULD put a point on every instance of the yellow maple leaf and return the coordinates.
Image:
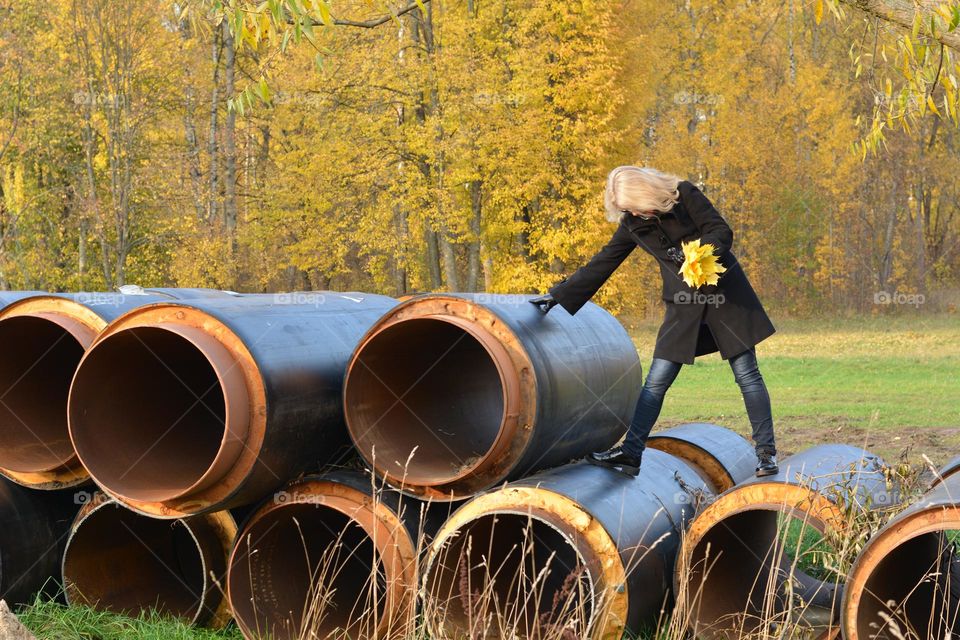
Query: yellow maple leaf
(700, 266)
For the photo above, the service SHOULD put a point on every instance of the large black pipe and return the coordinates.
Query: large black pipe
(9, 297)
(723, 457)
(577, 544)
(191, 407)
(43, 338)
(906, 581)
(450, 394)
(33, 531)
(741, 568)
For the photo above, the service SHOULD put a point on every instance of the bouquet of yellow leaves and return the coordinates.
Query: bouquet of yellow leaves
(700, 266)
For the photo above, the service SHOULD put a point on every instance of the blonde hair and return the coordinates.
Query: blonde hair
(639, 189)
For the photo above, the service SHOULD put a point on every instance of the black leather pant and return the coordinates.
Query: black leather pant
(661, 375)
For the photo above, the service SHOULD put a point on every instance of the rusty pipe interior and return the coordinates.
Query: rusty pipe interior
(306, 567)
(740, 572)
(430, 395)
(914, 591)
(519, 568)
(40, 356)
(158, 412)
(906, 581)
(120, 561)
(330, 556)
(763, 553)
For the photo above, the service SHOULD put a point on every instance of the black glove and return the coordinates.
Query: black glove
(544, 303)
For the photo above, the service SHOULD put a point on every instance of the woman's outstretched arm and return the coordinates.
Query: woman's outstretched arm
(573, 292)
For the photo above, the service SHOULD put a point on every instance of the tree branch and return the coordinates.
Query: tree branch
(902, 12)
(376, 22)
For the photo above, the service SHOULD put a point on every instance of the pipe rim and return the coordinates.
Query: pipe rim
(396, 550)
(931, 519)
(221, 523)
(518, 381)
(599, 551)
(83, 325)
(236, 412)
(219, 492)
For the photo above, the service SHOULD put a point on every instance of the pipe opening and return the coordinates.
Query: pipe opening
(761, 569)
(429, 384)
(307, 570)
(38, 362)
(914, 591)
(159, 429)
(509, 575)
(123, 562)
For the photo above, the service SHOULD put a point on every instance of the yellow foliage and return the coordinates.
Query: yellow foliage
(700, 265)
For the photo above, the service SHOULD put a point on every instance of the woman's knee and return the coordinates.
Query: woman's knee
(660, 376)
(746, 371)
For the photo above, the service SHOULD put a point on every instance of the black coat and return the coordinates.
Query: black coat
(725, 317)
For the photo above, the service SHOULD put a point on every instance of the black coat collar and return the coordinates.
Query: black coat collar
(636, 223)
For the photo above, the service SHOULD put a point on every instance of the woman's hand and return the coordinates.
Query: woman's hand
(543, 303)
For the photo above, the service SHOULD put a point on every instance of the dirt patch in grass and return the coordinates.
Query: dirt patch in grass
(795, 434)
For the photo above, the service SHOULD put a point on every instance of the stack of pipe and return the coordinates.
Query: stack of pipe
(445, 396)
(185, 406)
(215, 403)
(43, 337)
(583, 539)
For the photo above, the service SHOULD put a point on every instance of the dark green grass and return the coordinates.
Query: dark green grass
(52, 621)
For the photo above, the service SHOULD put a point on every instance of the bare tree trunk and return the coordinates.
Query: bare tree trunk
(422, 35)
(473, 252)
(190, 131)
(433, 259)
(214, 118)
(449, 263)
(886, 262)
(81, 253)
(229, 143)
(399, 268)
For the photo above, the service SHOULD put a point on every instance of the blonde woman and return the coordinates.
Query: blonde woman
(659, 211)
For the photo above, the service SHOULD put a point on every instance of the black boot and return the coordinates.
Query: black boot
(767, 464)
(618, 460)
